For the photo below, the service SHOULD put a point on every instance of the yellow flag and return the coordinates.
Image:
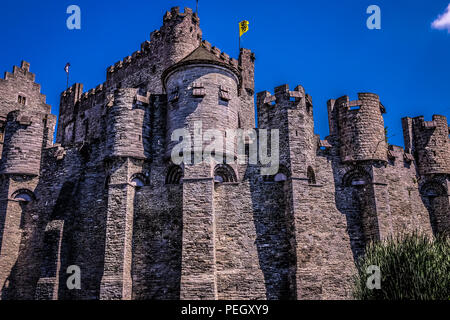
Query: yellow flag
(243, 27)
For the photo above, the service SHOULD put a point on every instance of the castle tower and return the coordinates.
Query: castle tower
(181, 32)
(429, 142)
(357, 130)
(359, 127)
(27, 128)
(291, 112)
(127, 152)
(67, 113)
(126, 130)
(202, 89)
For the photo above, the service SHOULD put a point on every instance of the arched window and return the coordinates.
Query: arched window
(311, 176)
(24, 195)
(356, 178)
(432, 190)
(174, 175)
(281, 176)
(224, 173)
(435, 198)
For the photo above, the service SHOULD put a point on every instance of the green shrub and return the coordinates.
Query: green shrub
(412, 267)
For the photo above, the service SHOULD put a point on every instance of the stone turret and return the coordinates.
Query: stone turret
(359, 127)
(126, 130)
(202, 88)
(181, 31)
(23, 143)
(429, 142)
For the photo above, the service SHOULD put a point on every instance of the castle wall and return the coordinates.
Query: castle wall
(70, 193)
(252, 246)
(323, 237)
(157, 235)
(408, 211)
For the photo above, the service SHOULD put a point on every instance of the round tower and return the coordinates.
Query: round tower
(361, 128)
(432, 145)
(23, 142)
(202, 88)
(126, 128)
(180, 34)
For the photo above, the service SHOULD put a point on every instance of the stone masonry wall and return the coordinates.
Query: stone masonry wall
(107, 197)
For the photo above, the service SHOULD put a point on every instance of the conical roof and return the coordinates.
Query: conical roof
(201, 55)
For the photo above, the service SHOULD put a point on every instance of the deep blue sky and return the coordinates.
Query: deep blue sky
(323, 45)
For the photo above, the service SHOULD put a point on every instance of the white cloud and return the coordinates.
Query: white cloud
(443, 21)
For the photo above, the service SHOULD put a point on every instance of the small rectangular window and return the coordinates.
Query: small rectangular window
(22, 100)
(198, 89)
(224, 93)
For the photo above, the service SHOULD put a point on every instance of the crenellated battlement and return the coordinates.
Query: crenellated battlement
(224, 57)
(365, 100)
(162, 37)
(281, 94)
(76, 90)
(398, 156)
(175, 13)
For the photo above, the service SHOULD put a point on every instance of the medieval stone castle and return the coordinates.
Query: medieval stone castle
(107, 198)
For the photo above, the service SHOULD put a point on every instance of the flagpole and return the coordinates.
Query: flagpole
(67, 70)
(196, 8)
(239, 38)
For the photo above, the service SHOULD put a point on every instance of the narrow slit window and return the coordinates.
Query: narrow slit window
(174, 96)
